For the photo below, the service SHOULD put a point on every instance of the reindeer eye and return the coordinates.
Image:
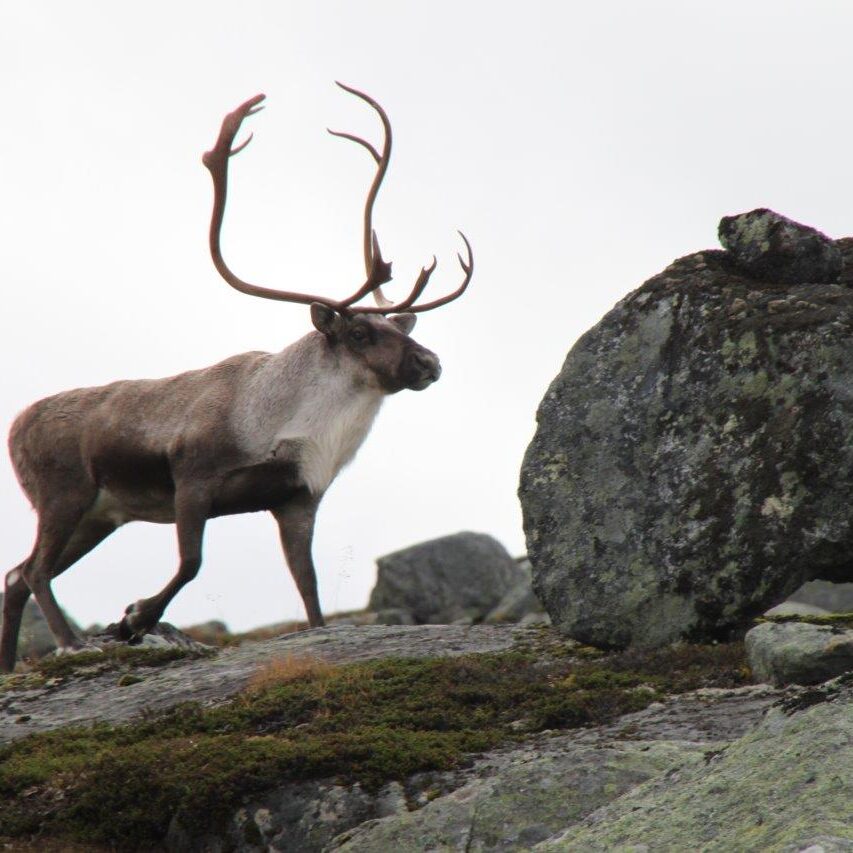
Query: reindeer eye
(358, 334)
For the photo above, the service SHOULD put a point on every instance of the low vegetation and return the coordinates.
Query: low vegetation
(837, 620)
(301, 719)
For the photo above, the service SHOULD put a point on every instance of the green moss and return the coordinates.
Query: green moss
(368, 722)
(839, 620)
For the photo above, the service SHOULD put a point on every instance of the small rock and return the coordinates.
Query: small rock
(161, 636)
(798, 652)
(459, 577)
(737, 306)
(773, 248)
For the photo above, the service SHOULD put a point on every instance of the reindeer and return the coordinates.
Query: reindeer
(256, 432)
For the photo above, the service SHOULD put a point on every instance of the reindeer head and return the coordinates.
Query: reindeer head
(380, 347)
(374, 338)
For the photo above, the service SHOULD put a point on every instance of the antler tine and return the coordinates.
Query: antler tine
(379, 273)
(467, 268)
(369, 239)
(408, 303)
(216, 161)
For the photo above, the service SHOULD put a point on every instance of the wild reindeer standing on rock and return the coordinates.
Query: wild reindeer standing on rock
(258, 431)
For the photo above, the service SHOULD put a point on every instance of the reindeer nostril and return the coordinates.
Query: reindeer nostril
(427, 362)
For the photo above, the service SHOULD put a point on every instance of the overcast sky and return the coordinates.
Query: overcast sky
(580, 146)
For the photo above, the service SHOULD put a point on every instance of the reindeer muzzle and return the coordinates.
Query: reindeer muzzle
(424, 369)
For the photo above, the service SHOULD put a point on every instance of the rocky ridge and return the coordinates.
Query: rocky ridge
(702, 752)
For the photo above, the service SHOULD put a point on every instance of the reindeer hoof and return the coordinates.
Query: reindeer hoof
(132, 629)
(128, 633)
(125, 632)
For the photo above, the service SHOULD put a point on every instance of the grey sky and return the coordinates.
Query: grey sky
(580, 146)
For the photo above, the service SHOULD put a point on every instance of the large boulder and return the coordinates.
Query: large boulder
(455, 578)
(693, 462)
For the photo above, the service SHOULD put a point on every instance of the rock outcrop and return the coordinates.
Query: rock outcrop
(454, 578)
(512, 799)
(783, 786)
(692, 465)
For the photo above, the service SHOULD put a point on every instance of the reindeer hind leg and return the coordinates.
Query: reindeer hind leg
(88, 534)
(64, 535)
(15, 597)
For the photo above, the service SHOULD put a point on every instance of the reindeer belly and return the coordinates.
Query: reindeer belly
(133, 485)
(117, 506)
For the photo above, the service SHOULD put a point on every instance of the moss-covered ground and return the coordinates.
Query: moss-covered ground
(117, 658)
(303, 719)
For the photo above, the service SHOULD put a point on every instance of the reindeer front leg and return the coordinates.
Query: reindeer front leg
(191, 512)
(296, 529)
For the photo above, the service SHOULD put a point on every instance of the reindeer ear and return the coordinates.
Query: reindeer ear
(326, 320)
(404, 322)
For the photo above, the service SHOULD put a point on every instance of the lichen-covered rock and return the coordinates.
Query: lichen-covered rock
(523, 798)
(779, 787)
(459, 577)
(799, 652)
(693, 463)
(773, 248)
(300, 816)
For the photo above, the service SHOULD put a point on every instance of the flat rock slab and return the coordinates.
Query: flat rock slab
(81, 701)
(524, 797)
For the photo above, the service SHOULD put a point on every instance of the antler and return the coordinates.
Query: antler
(369, 239)
(377, 269)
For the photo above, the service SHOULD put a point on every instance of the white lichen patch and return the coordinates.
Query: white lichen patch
(730, 425)
(776, 506)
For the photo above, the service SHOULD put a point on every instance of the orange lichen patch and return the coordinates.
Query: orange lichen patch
(289, 668)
